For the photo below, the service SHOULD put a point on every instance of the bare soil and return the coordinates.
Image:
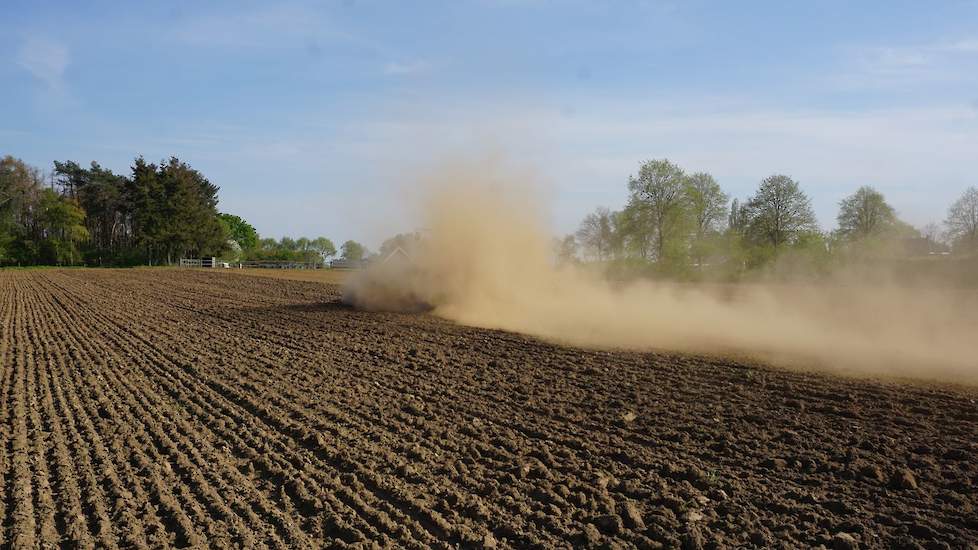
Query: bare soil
(158, 408)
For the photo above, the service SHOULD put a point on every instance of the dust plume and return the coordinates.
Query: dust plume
(485, 259)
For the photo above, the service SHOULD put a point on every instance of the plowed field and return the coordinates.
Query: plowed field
(157, 408)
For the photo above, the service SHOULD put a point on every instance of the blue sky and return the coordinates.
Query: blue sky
(310, 115)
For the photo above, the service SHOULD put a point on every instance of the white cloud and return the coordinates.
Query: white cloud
(968, 45)
(911, 65)
(46, 60)
(263, 27)
(400, 68)
(271, 27)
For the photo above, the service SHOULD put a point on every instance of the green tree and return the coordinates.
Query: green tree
(145, 197)
(865, 214)
(324, 247)
(707, 208)
(405, 241)
(634, 229)
(620, 237)
(102, 195)
(192, 226)
(737, 219)
(778, 213)
(595, 234)
(241, 231)
(962, 221)
(707, 203)
(659, 193)
(288, 243)
(62, 225)
(353, 251)
(173, 211)
(20, 185)
(301, 249)
(565, 249)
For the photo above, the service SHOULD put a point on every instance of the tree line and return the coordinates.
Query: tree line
(682, 224)
(155, 215)
(247, 245)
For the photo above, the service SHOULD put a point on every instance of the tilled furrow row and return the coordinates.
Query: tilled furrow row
(171, 382)
(73, 526)
(420, 510)
(164, 461)
(503, 463)
(22, 523)
(43, 448)
(507, 461)
(288, 460)
(107, 494)
(8, 300)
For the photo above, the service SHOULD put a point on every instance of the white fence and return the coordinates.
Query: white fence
(199, 262)
(280, 264)
(265, 264)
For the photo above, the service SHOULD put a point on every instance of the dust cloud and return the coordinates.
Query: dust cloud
(486, 260)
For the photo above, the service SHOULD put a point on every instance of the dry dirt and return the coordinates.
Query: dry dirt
(150, 408)
(331, 276)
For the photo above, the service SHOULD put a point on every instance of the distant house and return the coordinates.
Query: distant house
(343, 263)
(923, 246)
(397, 253)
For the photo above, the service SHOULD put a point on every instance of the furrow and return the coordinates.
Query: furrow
(163, 446)
(8, 300)
(297, 463)
(162, 449)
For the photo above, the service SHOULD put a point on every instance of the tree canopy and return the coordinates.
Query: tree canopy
(156, 214)
(37, 224)
(595, 234)
(779, 212)
(962, 221)
(353, 251)
(707, 203)
(658, 196)
(865, 214)
(240, 231)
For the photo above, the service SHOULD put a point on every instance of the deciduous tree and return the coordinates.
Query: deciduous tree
(779, 212)
(353, 251)
(241, 231)
(595, 234)
(865, 214)
(962, 221)
(324, 247)
(659, 192)
(707, 203)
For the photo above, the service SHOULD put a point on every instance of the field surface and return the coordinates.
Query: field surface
(158, 408)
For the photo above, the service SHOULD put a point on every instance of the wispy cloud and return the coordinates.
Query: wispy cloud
(46, 60)
(920, 64)
(968, 45)
(267, 26)
(404, 68)
(919, 157)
